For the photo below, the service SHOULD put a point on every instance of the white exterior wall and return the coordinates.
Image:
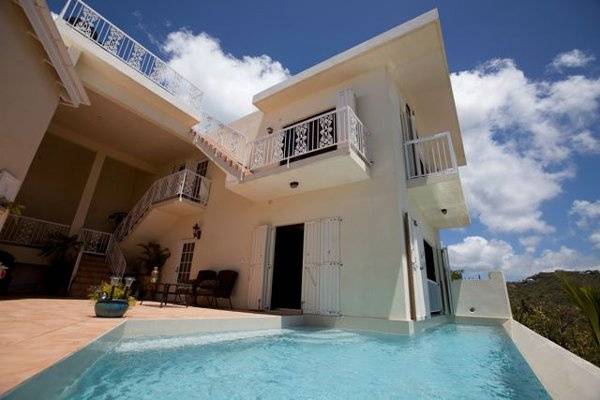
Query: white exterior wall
(373, 275)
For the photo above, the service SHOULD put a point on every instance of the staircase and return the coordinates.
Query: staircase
(222, 158)
(92, 270)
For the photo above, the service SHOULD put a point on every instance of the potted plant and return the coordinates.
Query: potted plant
(150, 262)
(62, 250)
(111, 299)
(8, 207)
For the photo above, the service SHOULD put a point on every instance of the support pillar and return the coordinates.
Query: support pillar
(88, 193)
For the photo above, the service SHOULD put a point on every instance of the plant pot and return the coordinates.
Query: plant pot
(111, 308)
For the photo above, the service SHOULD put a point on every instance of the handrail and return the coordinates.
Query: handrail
(183, 184)
(91, 24)
(430, 156)
(316, 134)
(227, 139)
(28, 231)
(93, 241)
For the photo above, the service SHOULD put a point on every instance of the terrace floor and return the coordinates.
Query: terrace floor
(36, 332)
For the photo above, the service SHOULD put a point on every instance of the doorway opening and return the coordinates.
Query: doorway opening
(287, 267)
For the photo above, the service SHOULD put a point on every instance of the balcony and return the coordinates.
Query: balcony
(323, 151)
(115, 43)
(433, 180)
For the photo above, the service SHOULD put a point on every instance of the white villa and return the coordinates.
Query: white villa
(328, 199)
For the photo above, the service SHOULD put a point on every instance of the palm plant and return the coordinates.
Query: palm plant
(587, 299)
(153, 256)
(11, 206)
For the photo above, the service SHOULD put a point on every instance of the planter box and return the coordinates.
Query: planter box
(111, 308)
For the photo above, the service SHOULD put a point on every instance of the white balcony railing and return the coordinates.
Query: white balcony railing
(431, 155)
(315, 135)
(27, 231)
(225, 138)
(91, 24)
(435, 296)
(183, 185)
(94, 242)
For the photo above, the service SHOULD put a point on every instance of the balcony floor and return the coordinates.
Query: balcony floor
(322, 171)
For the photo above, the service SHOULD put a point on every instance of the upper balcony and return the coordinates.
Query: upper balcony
(433, 180)
(113, 64)
(325, 150)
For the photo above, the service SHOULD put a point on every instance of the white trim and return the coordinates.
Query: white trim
(39, 17)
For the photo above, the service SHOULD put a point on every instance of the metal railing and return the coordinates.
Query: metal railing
(94, 242)
(91, 24)
(225, 138)
(184, 184)
(435, 296)
(27, 231)
(318, 134)
(475, 275)
(430, 155)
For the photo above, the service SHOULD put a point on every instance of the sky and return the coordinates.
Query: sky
(525, 76)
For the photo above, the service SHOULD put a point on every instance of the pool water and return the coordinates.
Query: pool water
(450, 362)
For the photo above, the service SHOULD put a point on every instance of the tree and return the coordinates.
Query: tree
(587, 299)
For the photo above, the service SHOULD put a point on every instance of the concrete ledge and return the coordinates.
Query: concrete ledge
(563, 374)
(375, 324)
(485, 321)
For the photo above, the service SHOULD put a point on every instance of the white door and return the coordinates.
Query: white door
(311, 264)
(331, 263)
(260, 269)
(419, 272)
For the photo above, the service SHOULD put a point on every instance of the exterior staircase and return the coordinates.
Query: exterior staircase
(92, 270)
(222, 158)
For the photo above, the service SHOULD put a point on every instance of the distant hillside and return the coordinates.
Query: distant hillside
(540, 303)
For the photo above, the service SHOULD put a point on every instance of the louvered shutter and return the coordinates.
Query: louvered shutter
(331, 263)
(311, 267)
(419, 277)
(259, 269)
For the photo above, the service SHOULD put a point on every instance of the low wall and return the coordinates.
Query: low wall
(563, 374)
(486, 299)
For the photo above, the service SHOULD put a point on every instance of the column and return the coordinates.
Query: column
(88, 193)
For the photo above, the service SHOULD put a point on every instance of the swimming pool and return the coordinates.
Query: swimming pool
(449, 362)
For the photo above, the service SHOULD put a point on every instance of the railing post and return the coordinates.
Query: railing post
(64, 9)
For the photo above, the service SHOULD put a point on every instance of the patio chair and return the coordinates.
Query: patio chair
(205, 284)
(226, 279)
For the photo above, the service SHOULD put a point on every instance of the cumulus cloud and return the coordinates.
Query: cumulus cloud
(595, 239)
(519, 136)
(228, 82)
(476, 253)
(571, 59)
(530, 242)
(585, 212)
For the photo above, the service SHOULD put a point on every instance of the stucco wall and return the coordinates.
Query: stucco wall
(488, 298)
(373, 279)
(53, 186)
(563, 374)
(118, 189)
(29, 91)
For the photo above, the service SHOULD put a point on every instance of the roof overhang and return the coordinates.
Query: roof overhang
(43, 25)
(414, 55)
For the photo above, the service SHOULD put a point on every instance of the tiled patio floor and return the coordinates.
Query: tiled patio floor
(36, 333)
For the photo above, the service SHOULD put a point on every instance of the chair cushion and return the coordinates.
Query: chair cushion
(208, 284)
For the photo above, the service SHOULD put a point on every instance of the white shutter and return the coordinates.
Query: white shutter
(311, 266)
(329, 281)
(259, 269)
(419, 271)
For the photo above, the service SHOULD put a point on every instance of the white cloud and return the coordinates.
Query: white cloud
(519, 136)
(530, 242)
(585, 212)
(595, 239)
(476, 253)
(572, 59)
(228, 82)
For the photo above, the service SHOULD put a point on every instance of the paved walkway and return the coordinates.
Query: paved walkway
(36, 333)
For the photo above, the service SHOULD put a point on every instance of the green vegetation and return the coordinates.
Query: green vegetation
(545, 304)
(104, 290)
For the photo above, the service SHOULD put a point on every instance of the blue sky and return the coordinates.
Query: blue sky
(526, 78)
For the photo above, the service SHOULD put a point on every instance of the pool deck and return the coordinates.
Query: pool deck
(37, 332)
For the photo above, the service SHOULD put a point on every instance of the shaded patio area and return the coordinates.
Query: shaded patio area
(37, 332)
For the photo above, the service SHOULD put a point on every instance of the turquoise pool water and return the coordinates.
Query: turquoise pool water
(450, 362)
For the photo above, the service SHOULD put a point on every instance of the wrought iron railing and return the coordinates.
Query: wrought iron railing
(315, 135)
(184, 184)
(91, 24)
(225, 138)
(32, 232)
(430, 155)
(94, 242)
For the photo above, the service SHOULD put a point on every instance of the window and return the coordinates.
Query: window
(185, 261)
